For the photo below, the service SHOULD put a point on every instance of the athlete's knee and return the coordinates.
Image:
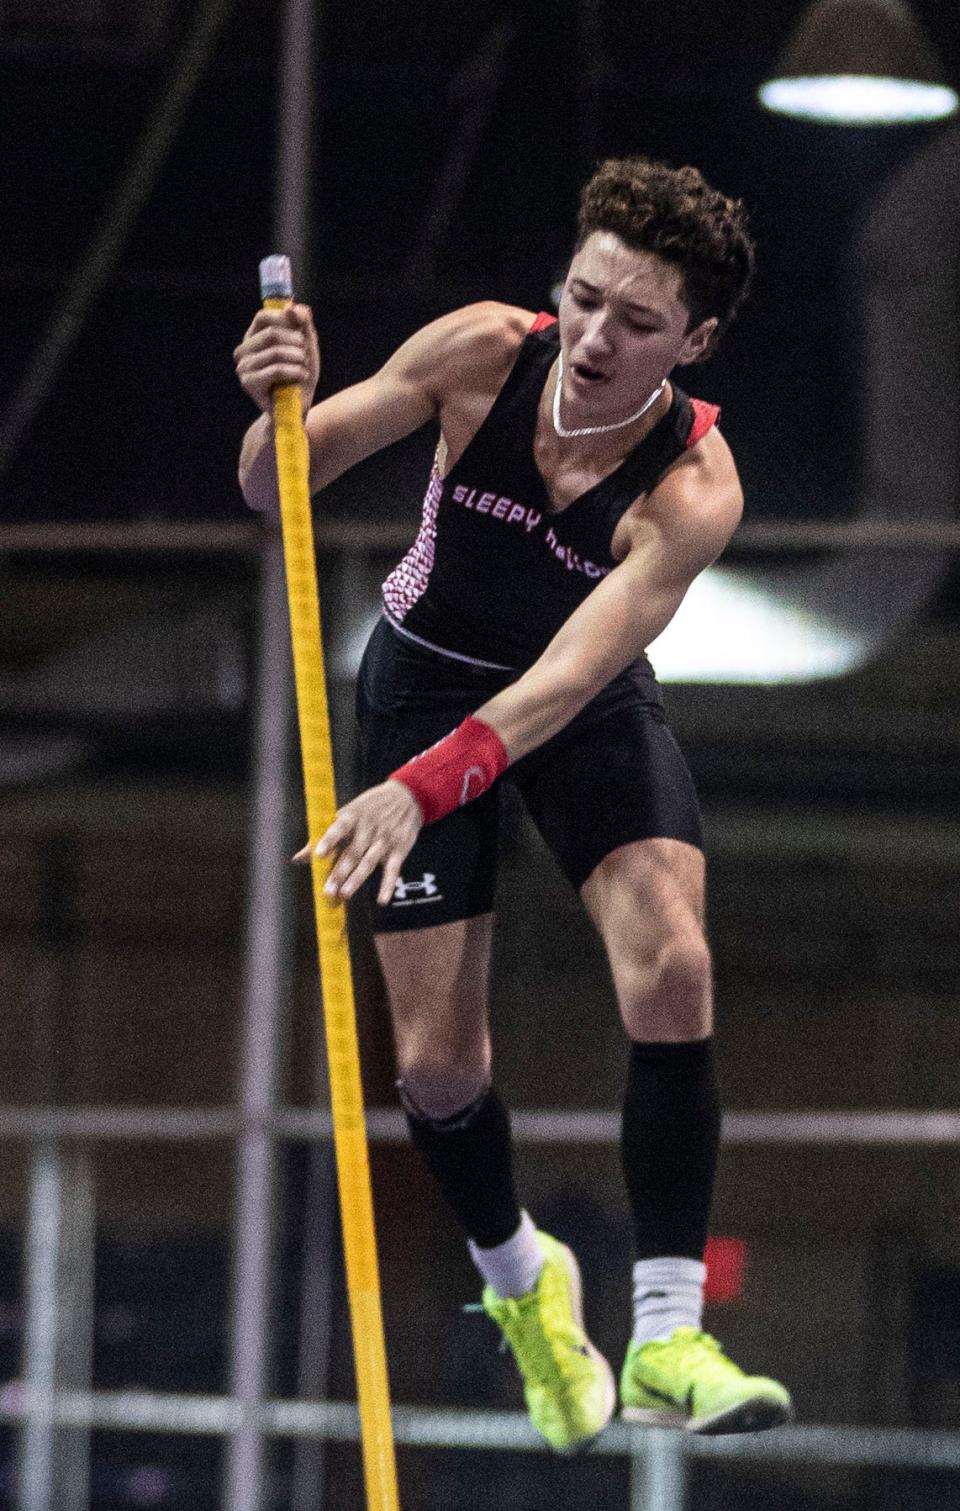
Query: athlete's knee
(666, 993)
(436, 1083)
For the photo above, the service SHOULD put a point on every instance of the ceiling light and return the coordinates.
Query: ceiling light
(860, 63)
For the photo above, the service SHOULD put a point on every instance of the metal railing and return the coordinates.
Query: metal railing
(534, 1126)
(248, 535)
(658, 1459)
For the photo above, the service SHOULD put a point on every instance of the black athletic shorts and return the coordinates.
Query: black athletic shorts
(614, 774)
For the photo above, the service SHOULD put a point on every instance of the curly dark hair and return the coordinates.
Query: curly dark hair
(676, 214)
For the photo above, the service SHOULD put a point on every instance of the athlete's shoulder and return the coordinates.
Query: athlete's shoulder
(475, 346)
(700, 493)
(711, 455)
(487, 323)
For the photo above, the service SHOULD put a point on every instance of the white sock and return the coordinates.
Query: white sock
(512, 1268)
(667, 1293)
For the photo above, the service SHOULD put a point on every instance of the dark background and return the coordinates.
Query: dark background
(126, 725)
(144, 421)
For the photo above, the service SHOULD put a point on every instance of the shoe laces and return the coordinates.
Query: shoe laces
(696, 1350)
(538, 1328)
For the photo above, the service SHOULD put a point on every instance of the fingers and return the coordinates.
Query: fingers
(260, 378)
(353, 868)
(391, 875)
(338, 834)
(293, 324)
(277, 350)
(358, 861)
(292, 317)
(377, 829)
(360, 852)
(279, 347)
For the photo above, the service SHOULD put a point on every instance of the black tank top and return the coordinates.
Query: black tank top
(495, 571)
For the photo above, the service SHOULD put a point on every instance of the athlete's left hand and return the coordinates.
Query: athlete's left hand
(378, 828)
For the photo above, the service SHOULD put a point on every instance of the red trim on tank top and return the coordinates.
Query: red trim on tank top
(705, 416)
(541, 322)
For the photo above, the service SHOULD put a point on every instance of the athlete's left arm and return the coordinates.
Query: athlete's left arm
(679, 530)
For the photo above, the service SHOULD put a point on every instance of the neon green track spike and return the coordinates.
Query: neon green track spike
(568, 1384)
(688, 1381)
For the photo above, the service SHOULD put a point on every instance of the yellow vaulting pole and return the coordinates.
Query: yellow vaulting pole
(346, 1092)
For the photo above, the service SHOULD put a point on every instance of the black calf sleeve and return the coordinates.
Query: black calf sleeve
(471, 1158)
(669, 1146)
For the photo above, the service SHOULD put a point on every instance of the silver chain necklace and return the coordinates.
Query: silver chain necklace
(596, 429)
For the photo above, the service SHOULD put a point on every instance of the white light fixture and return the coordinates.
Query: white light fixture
(859, 100)
(829, 613)
(767, 636)
(860, 63)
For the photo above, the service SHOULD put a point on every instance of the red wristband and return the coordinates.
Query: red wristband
(455, 770)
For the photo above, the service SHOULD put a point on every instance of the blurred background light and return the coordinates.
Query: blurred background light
(860, 63)
(766, 638)
(859, 100)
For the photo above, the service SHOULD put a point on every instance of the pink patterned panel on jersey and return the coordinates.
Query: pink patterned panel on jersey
(408, 581)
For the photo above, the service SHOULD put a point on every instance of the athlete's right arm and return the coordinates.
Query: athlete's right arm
(464, 349)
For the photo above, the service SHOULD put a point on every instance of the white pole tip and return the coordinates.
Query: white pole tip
(276, 280)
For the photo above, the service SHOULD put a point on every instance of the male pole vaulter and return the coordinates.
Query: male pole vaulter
(576, 493)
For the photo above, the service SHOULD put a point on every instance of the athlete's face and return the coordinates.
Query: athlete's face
(623, 328)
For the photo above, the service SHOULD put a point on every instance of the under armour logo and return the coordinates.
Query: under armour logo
(426, 888)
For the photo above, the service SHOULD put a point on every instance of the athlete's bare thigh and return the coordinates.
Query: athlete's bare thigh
(646, 900)
(437, 983)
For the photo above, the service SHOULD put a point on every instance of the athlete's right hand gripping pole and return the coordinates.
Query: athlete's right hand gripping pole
(346, 1091)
